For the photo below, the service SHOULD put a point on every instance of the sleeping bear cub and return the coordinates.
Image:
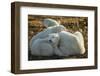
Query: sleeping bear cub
(45, 46)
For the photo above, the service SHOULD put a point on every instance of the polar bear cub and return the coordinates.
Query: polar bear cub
(44, 47)
(46, 32)
(70, 44)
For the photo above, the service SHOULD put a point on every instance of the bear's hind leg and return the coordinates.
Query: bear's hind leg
(80, 39)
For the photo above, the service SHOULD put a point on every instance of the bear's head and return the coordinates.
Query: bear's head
(54, 38)
(50, 22)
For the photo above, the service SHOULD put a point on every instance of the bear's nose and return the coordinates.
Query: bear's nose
(50, 41)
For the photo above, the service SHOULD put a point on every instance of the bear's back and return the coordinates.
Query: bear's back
(68, 43)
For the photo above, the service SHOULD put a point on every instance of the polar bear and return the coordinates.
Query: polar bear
(70, 44)
(52, 26)
(46, 32)
(45, 46)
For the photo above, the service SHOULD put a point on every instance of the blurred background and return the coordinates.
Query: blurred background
(72, 24)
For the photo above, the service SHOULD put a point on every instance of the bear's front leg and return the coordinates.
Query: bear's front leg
(57, 51)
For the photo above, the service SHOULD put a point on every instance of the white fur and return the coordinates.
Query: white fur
(50, 22)
(46, 32)
(44, 47)
(55, 40)
(70, 44)
(80, 41)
